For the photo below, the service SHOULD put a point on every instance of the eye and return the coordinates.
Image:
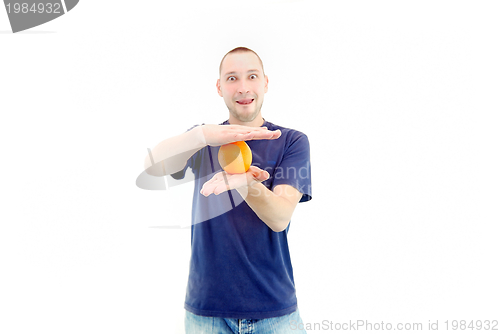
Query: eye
(253, 76)
(231, 78)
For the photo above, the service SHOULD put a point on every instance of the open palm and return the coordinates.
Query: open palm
(224, 181)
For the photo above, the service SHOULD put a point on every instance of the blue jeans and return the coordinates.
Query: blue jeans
(287, 324)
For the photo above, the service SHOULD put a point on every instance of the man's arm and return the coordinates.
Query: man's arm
(275, 208)
(171, 155)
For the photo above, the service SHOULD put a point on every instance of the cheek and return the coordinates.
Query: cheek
(261, 90)
(227, 95)
(228, 92)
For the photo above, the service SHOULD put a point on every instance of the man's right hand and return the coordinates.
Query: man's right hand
(171, 155)
(217, 135)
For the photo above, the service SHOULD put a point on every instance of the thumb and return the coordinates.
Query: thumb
(258, 174)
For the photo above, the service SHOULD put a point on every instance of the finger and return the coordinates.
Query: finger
(276, 134)
(208, 189)
(245, 127)
(212, 180)
(267, 134)
(220, 176)
(216, 181)
(221, 188)
(215, 188)
(248, 135)
(262, 132)
(258, 174)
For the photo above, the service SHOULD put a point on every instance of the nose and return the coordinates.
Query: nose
(243, 88)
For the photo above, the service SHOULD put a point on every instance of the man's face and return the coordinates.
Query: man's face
(242, 84)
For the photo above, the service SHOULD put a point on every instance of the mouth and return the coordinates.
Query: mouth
(245, 101)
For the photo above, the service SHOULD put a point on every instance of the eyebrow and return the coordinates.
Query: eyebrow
(231, 73)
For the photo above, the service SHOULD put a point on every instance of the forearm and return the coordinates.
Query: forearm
(272, 209)
(171, 155)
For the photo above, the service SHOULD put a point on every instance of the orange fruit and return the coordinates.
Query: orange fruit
(235, 158)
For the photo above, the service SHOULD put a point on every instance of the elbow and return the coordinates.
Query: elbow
(154, 170)
(279, 226)
(279, 223)
(148, 166)
(151, 172)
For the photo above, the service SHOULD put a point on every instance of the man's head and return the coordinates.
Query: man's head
(242, 84)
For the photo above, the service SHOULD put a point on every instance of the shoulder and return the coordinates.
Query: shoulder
(194, 126)
(290, 135)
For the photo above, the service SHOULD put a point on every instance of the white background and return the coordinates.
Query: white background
(399, 99)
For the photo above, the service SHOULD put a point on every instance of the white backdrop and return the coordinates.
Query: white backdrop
(400, 104)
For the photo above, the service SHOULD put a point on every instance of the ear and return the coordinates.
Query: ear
(218, 87)
(267, 83)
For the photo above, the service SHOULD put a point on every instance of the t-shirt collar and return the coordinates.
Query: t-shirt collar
(266, 123)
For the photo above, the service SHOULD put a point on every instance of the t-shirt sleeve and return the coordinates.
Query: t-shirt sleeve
(295, 167)
(180, 174)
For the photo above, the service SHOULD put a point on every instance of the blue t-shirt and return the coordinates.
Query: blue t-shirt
(239, 267)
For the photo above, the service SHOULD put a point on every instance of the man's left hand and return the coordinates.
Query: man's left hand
(224, 181)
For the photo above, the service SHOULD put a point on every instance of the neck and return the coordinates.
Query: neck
(257, 122)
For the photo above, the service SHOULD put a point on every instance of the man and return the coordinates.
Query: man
(240, 278)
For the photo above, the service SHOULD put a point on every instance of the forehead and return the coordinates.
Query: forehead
(240, 62)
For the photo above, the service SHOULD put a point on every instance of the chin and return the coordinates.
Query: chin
(246, 117)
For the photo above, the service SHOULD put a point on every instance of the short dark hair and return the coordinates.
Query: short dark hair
(240, 49)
